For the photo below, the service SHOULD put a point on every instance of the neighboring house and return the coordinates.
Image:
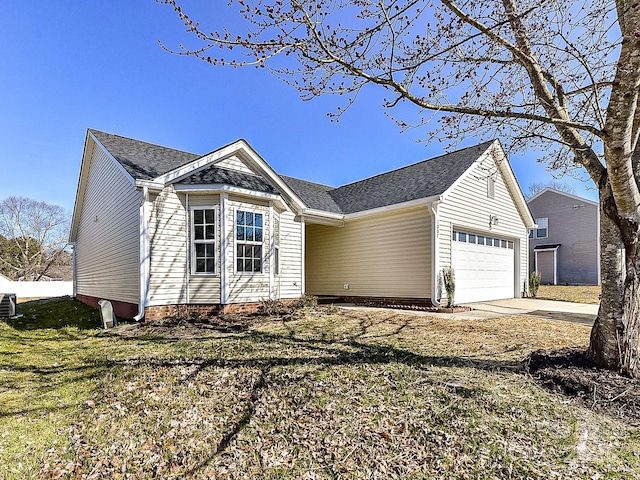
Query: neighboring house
(156, 229)
(565, 246)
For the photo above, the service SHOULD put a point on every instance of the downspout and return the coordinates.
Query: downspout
(303, 235)
(74, 270)
(224, 246)
(272, 291)
(188, 247)
(435, 250)
(144, 255)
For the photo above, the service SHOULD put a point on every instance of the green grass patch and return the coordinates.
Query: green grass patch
(332, 394)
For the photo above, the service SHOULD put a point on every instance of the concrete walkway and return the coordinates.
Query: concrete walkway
(581, 313)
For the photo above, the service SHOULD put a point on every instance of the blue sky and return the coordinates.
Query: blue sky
(67, 66)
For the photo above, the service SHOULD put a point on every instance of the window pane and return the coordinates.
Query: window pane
(453, 236)
(240, 217)
(239, 264)
(258, 234)
(543, 227)
(256, 265)
(248, 218)
(496, 242)
(530, 233)
(200, 249)
(208, 214)
(258, 218)
(198, 216)
(240, 233)
(248, 263)
(510, 245)
(210, 232)
(462, 237)
(504, 244)
(480, 240)
(200, 265)
(209, 249)
(249, 234)
(257, 251)
(472, 238)
(198, 232)
(276, 261)
(210, 268)
(489, 241)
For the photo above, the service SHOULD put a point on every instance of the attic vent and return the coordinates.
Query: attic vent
(7, 305)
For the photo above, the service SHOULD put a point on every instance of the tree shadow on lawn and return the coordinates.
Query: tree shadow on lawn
(299, 346)
(319, 349)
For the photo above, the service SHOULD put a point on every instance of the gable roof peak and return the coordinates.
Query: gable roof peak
(142, 160)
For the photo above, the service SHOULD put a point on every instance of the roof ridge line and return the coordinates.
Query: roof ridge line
(413, 164)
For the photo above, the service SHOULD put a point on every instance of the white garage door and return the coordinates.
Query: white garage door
(483, 267)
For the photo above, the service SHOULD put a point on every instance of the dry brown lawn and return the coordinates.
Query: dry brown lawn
(570, 293)
(323, 394)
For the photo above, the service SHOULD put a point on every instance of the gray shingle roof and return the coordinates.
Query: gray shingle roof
(216, 175)
(420, 180)
(143, 161)
(314, 195)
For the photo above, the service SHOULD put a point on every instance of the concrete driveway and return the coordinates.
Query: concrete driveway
(582, 313)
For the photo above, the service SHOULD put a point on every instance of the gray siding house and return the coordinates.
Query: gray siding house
(564, 248)
(156, 230)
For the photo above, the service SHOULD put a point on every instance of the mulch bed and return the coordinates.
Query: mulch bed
(570, 372)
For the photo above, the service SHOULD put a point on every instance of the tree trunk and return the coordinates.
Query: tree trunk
(614, 336)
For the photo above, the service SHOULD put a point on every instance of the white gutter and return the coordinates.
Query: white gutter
(150, 184)
(144, 255)
(420, 202)
(435, 249)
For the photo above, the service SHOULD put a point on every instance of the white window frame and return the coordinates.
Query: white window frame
(537, 230)
(193, 241)
(245, 242)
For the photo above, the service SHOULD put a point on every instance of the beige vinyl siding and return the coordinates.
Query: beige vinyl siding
(290, 279)
(205, 288)
(382, 256)
(107, 242)
(168, 249)
(234, 163)
(247, 287)
(468, 207)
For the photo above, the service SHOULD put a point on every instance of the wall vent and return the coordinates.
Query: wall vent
(7, 304)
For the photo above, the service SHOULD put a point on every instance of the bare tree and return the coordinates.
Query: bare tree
(33, 236)
(537, 187)
(557, 74)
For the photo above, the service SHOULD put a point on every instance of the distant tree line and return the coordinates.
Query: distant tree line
(33, 238)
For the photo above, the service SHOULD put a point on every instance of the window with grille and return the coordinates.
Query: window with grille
(203, 240)
(249, 240)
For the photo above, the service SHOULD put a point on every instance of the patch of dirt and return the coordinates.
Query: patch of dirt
(570, 372)
(176, 328)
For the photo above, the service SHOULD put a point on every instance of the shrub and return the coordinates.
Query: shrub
(449, 284)
(534, 283)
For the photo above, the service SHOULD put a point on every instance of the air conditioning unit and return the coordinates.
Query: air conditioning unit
(7, 305)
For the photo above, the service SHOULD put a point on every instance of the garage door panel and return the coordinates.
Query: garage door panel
(482, 272)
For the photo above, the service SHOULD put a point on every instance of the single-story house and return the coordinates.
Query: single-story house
(565, 246)
(156, 230)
